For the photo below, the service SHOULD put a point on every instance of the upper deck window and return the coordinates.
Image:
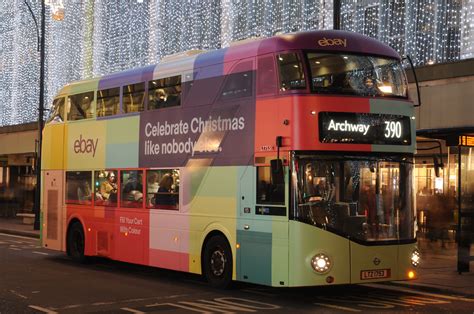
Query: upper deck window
(108, 102)
(80, 106)
(291, 72)
(164, 92)
(57, 111)
(133, 97)
(356, 75)
(238, 83)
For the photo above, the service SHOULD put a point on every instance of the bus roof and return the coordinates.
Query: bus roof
(324, 41)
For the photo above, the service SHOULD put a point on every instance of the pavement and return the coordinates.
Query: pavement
(436, 272)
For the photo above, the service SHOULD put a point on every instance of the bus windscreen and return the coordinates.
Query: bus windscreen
(360, 75)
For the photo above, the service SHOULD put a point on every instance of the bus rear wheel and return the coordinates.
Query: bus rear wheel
(217, 262)
(76, 243)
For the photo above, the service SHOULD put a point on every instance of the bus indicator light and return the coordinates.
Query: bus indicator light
(411, 274)
(329, 279)
(237, 246)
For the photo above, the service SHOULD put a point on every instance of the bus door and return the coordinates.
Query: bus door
(52, 210)
(262, 229)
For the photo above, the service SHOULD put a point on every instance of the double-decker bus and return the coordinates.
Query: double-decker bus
(284, 161)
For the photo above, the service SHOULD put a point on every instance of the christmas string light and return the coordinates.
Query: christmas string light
(96, 38)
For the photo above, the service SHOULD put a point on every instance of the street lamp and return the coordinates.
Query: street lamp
(41, 37)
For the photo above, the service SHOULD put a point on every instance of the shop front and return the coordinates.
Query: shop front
(17, 176)
(444, 162)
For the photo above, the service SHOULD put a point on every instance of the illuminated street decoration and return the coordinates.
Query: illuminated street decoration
(95, 38)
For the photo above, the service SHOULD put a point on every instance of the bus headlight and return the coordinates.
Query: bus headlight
(415, 257)
(321, 263)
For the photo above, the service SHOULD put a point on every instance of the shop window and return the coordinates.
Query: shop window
(163, 189)
(78, 187)
(105, 187)
(270, 188)
(80, 106)
(133, 97)
(57, 111)
(108, 102)
(131, 182)
(291, 72)
(164, 92)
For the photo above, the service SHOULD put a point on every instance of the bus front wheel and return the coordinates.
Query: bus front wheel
(218, 262)
(76, 242)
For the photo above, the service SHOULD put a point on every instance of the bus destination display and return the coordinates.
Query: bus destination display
(364, 128)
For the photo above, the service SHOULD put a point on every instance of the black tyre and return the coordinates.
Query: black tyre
(217, 262)
(76, 242)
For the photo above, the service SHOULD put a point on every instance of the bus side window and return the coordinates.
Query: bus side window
(239, 83)
(164, 92)
(131, 182)
(162, 187)
(78, 187)
(269, 191)
(105, 188)
(57, 111)
(291, 72)
(266, 76)
(80, 106)
(133, 97)
(108, 102)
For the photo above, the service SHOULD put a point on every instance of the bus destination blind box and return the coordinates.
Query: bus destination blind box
(364, 128)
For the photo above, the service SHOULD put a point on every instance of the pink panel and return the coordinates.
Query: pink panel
(169, 260)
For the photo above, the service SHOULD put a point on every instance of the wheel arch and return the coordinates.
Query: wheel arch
(218, 230)
(72, 221)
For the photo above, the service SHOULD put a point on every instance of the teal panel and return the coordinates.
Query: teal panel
(122, 155)
(255, 256)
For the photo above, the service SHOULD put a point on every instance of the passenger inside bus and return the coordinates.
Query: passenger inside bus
(108, 189)
(164, 97)
(165, 195)
(84, 192)
(132, 191)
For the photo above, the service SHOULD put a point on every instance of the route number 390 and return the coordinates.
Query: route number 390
(393, 129)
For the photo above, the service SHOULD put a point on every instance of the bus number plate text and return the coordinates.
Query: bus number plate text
(374, 274)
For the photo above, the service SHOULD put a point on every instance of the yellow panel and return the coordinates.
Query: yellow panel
(305, 242)
(86, 142)
(52, 150)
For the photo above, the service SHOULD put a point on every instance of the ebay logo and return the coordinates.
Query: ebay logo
(85, 146)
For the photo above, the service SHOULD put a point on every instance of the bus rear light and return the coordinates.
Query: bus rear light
(321, 263)
(329, 279)
(411, 274)
(89, 229)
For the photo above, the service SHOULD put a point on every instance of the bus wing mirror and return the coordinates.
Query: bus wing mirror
(276, 166)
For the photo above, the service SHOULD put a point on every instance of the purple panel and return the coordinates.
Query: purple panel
(127, 77)
(223, 133)
(325, 41)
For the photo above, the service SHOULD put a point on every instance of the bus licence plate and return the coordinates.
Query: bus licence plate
(374, 274)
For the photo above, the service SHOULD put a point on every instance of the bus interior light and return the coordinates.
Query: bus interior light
(321, 263)
(386, 89)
